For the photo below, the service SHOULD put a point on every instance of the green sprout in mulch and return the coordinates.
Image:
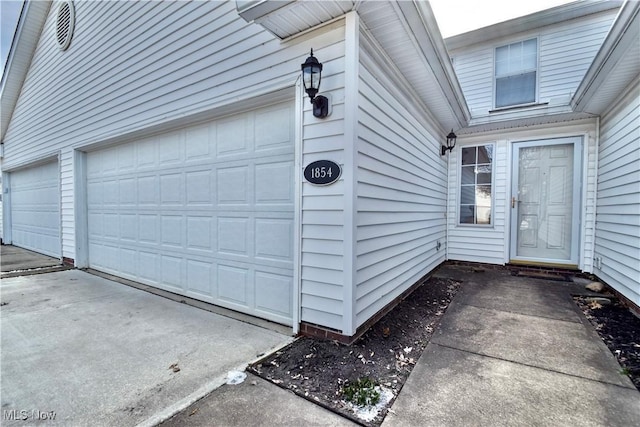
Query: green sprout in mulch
(362, 392)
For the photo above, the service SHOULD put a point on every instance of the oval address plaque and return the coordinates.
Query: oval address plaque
(322, 172)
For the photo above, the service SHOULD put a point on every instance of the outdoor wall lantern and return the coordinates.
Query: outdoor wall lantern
(311, 76)
(451, 142)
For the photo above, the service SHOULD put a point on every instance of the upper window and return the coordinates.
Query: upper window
(476, 195)
(516, 68)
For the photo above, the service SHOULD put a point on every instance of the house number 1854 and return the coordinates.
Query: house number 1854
(322, 172)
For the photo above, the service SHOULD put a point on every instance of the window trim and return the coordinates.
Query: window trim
(537, 79)
(493, 193)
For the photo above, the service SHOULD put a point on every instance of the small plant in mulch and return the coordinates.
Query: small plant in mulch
(361, 392)
(361, 381)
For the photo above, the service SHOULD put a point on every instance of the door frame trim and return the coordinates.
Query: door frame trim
(577, 142)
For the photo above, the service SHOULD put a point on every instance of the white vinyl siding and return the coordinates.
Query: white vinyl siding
(1, 209)
(474, 69)
(617, 236)
(587, 230)
(156, 60)
(478, 243)
(323, 231)
(67, 208)
(157, 66)
(565, 52)
(401, 192)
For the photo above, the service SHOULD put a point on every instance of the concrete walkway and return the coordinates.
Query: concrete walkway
(515, 351)
(255, 402)
(509, 351)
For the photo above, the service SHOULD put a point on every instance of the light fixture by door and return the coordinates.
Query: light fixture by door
(451, 142)
(311, 76)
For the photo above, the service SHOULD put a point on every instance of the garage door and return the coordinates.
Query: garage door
(35, 209)
(206, 211)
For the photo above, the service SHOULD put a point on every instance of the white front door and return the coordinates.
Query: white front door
(545, 208)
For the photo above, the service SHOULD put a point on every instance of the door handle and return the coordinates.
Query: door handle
(513, 202)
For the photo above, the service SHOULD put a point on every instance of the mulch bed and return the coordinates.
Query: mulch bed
(321, 370)
(620, 330)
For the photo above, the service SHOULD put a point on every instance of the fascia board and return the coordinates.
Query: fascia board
(422, 23)
(623, 33)
(529, 22)
(25, 41)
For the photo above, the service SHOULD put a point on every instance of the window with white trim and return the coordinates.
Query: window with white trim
(476, 189)
(516, 69)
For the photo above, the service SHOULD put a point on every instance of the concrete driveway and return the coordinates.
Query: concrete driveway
(84, 350)
(15, 261)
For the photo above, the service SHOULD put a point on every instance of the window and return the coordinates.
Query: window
(516, 68)
(476, 196)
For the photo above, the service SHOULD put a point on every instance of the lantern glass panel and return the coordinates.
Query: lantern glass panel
(311, 76)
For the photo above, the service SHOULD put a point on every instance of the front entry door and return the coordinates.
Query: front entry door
(545, 208)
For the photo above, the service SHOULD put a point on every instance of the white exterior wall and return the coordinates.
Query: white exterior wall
(491, 244)
(401, 189)
(1, 208)
(156, 66)
(617, 236)
(480, 243)
(67, 210)
(565, 52)
(323, 208)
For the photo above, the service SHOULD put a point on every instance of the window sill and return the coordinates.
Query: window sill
(478, 226)
(518, 107)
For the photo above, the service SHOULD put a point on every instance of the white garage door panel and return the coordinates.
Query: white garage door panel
(205, 212)
(35, 209)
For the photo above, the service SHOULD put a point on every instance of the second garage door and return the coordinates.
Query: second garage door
(35, 208)
(206, 211)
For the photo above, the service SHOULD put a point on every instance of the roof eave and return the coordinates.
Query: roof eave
(23, 46)
(421, 20)
(624, 32)
(532, 21)
(250, 10)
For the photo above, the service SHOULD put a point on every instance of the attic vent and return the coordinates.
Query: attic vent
(64, 24)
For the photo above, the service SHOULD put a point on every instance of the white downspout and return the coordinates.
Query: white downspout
(446, 210)
(595, 197)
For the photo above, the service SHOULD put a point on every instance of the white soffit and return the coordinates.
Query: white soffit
(406, 31)
(409, 35)
(616, 65)
(284, 18)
